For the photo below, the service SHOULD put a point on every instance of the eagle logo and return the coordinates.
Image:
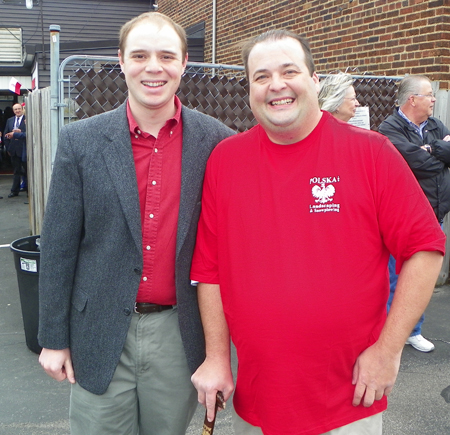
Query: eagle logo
(323, 193)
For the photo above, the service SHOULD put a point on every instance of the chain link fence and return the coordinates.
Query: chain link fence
(92, 85)
(379, 94)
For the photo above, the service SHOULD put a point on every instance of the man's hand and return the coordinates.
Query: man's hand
(374, 374)
(57, 364)
(377, 367)
(213, 376)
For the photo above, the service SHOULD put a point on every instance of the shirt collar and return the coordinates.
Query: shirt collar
(173, 122)
(418, 129)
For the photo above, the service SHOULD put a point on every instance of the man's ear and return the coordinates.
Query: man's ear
(185, 62)
(120, 59)
(316, 81)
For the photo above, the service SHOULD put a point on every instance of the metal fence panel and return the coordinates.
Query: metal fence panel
(92, 85)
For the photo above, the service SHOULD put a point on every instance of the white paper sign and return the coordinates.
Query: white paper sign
(362, 118)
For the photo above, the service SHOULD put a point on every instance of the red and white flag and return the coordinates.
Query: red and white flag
(14, 86)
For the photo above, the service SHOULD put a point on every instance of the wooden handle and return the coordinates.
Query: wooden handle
(208, 426)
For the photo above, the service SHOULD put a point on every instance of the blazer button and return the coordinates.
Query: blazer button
(137, 271)
(127, 311)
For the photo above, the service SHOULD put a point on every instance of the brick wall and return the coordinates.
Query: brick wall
(381, 37)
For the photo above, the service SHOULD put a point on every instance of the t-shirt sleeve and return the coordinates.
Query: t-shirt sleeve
(204, 262)
(406, 219)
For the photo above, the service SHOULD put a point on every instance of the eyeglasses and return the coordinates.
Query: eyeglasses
(426, 95)
(350, 98)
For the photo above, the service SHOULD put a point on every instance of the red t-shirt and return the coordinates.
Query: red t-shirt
(298, 237)
(158, 170)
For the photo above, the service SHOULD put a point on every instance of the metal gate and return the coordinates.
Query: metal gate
(92, 85)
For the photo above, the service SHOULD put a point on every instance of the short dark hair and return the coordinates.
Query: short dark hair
(156, 18)
(275, 35)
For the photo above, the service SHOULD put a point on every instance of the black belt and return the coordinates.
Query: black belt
(147, 308)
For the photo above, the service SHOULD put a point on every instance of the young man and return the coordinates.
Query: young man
(424, 143)
(286, 209)
(117, 244)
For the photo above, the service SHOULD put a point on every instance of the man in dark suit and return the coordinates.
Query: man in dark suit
(15, 146)
(118, 315)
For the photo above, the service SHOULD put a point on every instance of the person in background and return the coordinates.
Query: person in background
(1, 151)
(424, 143)
(299, 215)
(1, 143)
(1, 138)
(21, 135)
(15, 146)
(7, 113)
(118, 315)
(337, 96)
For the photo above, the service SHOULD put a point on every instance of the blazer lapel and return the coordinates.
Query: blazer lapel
(119, 160)
(192, 169)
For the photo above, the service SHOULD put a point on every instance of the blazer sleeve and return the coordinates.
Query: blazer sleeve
(60, 239)
(22, 135)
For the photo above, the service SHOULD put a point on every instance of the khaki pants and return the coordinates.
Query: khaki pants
(151, 391)
(367, 426)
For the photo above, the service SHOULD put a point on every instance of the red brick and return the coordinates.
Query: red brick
(404, 30)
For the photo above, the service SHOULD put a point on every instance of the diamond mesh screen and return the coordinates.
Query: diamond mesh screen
(217, 90)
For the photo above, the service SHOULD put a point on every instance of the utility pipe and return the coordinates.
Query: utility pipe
(213, 48)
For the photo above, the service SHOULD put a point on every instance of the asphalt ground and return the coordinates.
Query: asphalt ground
(31, 403)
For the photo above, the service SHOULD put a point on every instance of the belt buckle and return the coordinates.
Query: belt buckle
(135, 308)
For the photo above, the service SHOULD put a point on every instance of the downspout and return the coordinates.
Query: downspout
(42, 33)
(213, 49)
(54, 88)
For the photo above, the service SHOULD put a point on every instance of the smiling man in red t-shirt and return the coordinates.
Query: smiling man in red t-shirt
(286, 209)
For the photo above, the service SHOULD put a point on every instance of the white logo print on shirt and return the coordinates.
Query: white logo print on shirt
(323, 191)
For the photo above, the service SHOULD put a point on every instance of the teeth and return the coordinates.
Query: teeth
(153, 84)
(280, 102)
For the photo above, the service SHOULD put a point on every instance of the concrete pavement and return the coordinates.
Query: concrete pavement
(33, 404)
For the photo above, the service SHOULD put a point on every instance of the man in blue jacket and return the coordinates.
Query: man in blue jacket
(424, 142)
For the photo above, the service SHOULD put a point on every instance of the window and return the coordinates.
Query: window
(11, 45)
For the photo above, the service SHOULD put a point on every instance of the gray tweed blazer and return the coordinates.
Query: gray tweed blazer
(91, 242)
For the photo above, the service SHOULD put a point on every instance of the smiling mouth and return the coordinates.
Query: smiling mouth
(281, 102)
(153, 84)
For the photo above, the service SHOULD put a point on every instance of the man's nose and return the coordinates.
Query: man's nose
(277, 82)
(153, 64)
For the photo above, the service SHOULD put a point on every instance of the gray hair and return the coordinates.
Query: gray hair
(333, 89)
(410, 85)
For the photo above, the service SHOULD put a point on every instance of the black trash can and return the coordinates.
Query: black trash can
(27, 259)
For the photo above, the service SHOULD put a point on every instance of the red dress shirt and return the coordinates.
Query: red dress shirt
(158, 171)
